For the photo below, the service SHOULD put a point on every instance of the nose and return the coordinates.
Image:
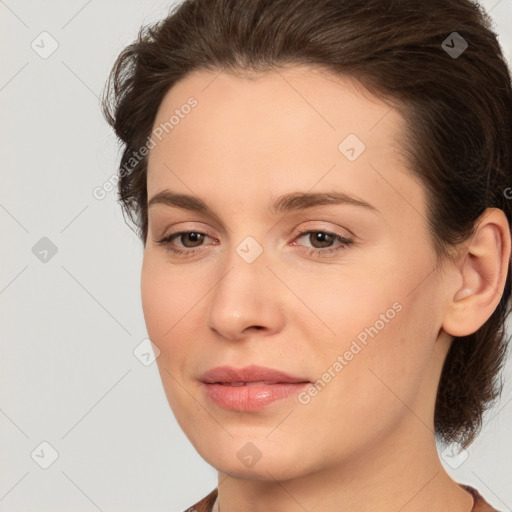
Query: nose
(246, 301)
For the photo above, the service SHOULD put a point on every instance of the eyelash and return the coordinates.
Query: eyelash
(344, 243)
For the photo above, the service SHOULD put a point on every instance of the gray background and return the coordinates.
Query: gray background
(70, 323)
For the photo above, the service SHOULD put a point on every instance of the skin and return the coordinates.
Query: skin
(365, 442)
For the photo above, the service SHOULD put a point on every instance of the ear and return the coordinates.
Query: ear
(483, 265)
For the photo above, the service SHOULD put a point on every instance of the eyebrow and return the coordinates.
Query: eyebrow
(294, 201)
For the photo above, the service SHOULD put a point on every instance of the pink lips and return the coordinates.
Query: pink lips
(250, 388)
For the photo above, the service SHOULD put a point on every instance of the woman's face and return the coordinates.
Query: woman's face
(342, 293)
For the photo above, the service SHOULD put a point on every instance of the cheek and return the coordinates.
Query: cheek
(377, 330)
(168, 296)
(156, 300)
(168, 299)
(173, 301)
(163, 302)
(386, 355)
(343, 302)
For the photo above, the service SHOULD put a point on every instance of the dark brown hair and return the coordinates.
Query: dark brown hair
(458, 110)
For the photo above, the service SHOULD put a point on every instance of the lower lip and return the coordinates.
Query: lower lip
(251, 398)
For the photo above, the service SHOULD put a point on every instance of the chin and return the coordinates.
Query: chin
(252, 459)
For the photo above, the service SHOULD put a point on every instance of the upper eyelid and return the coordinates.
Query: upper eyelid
(301, 233)
(302, 230)
(315, 227)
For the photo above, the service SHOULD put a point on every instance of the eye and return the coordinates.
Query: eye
(322, 241)
(191, 240)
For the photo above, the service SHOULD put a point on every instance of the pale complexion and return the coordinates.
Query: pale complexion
(365, 442)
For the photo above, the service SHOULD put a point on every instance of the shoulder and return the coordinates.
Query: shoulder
(204, 505)
(480, 504)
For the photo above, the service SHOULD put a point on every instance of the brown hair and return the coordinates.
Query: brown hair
(458, 110)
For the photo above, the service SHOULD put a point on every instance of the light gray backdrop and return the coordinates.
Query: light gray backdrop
(85, 424)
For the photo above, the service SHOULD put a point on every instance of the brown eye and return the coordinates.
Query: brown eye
(183, 242)
(321, 238)
(194, 238)
(323, 243)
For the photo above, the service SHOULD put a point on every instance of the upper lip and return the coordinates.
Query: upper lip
(252, 373)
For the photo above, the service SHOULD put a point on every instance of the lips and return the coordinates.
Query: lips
(250, 375)
(249, 389)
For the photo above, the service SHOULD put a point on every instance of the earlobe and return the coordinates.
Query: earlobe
(483, 269)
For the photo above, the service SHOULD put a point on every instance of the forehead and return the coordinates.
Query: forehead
(289, 129)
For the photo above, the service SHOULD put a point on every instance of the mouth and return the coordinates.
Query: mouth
(251, 388)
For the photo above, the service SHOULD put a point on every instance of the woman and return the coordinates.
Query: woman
(320, 188)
